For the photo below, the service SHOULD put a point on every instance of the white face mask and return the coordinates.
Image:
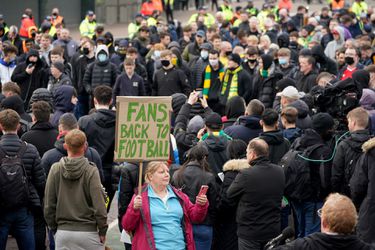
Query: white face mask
(214, 62)
(157, 54)
(204, 54)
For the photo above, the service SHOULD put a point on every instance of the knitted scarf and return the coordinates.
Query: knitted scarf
(207, 79)
(233, 89)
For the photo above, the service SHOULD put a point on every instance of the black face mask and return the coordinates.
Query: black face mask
(165, 63)
(252, 61)
(327, 135)
(228, 53)
(85, 51)
(349, 60)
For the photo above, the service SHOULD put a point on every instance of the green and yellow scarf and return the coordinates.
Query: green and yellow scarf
(207, 79)
(233, 89)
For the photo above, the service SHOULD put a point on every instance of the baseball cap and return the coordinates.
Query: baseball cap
(201, 33)
(290, 92)
(90, 13)
(214, 121)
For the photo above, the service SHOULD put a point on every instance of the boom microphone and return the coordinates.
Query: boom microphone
(285, 234)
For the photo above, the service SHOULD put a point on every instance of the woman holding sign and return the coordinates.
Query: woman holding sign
(161, 216)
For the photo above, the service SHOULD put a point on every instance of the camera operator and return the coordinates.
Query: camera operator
(338, 220)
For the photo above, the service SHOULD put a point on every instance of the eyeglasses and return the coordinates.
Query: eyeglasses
(319, 212)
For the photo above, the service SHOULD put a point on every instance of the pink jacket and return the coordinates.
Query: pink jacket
(140, 221)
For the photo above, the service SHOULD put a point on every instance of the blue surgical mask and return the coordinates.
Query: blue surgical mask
(102, 57)
(283, 61)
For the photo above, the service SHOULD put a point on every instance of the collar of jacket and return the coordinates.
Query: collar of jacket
(259, 160)
(216, 134)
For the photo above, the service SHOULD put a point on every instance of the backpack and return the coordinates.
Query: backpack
(298, 184)
(353, 154)
(14, 189)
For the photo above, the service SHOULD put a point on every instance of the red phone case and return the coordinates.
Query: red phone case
(203, 190)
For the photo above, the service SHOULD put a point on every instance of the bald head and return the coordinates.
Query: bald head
(257, 148)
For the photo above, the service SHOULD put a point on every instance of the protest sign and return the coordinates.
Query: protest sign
(142, 128)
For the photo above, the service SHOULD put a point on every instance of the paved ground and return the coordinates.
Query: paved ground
(120, 30)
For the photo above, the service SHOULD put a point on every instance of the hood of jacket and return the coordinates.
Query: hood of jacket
(368, 145)
(63, 98)
(273, 137)
(33, 52)
(73, 168)
(367, 100)
(15, 103)
(334, 242)
(318, 53)
(341, 32)
(195, 124)
(100, 48)
(283, 40)
(357, 139)
(105, 118)
(236, 165)
(310, 137)
(216, 143)
(235, 107)
(361, 78)
(250, 121)
(177, 53)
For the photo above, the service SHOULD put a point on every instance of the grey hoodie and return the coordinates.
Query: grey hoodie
(74, 198)
(334, 45)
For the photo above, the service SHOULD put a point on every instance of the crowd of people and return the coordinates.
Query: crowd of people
(272, 128)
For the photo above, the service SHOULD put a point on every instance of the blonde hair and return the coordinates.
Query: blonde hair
(340, 214)
(152, 167)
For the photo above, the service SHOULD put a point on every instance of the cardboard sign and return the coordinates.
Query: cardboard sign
(142, 128)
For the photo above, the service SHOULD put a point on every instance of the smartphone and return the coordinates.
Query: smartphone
(203, 190)
(200, 91)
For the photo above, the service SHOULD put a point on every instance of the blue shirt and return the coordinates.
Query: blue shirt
(166, 221)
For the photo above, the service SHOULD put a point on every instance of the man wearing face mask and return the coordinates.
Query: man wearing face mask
(199, 65)
(8, 63)
(192, 50)
(100, 72)
(352, 56)
(321, 134)
(212, 78)
(119, 57)
(286, 67)
(251, 60)
(169, 80)
(236, 81)
(79, 69)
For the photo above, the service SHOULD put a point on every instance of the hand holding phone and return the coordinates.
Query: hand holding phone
(203, 190)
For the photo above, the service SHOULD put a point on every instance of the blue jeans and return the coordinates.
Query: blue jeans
(202, 237)
(307, 217)
(21, 222)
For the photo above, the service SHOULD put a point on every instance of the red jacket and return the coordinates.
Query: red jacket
(140, 221)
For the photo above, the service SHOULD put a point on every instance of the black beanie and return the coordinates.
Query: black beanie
(322, 122)
(178, 100)
(283, 83)
(267, 61)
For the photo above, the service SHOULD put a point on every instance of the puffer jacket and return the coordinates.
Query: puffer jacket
(100, 73)
(344, 164)
(41, 94)
(11, 144)
(101, 124)
(63, 102)
(363, 192)
(139, 221)
(54, 155)
(265, 87)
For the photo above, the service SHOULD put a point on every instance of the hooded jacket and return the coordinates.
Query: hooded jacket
(322, 241)
(15, 102)
(363, 192)
(74, 198)
(334, 45)
(258, 191)
(53, 83)
(278, 145)
(29, 83)
(102, 123)
(246, 128)
(169, 81)
(6, 70)
(100, 73)
(63, 102)
(326, 64)
(226, 226)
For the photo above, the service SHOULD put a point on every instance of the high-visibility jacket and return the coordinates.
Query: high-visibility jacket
(227, 12)
(58, 20)
(171, 3)
(337, 5)
(133, 30)
(86, 28)
(209, 19)
(151, 21)
(26, 23)
(359, 7)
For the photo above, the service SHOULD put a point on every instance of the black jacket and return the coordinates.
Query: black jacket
(128, 87)
(363, 192)
(320, 173)
(266, 88)
(245, 87)
(246, 128)
(226, 226)
(322, 241)
(190, 182)
(101, 124)
(169, 81)
(278, 145)
(326, 64)
(79, 66)
(11, 144)
(343, 165)
(99, 73)
(306, 82)
(42, 135)
(217, 156)
(258, 191)
(29, 83)
(54, 155)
